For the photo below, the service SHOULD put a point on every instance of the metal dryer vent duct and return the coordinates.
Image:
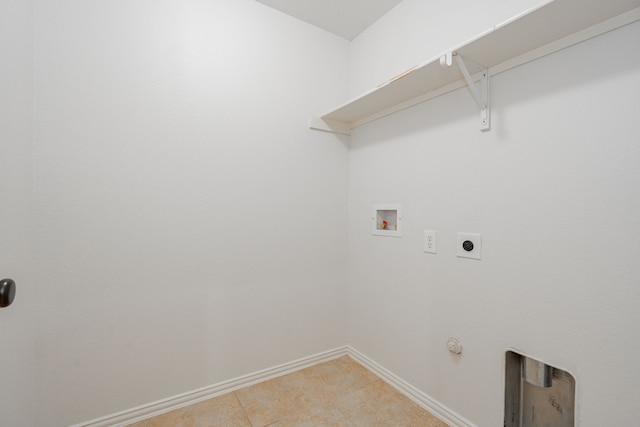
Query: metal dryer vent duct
(537, 394)
(536, 373)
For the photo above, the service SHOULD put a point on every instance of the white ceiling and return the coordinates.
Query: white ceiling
(345, 18)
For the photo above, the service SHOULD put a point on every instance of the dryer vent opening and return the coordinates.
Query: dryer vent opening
(537, 394)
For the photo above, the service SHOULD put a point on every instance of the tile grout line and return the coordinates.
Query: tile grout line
(244, 411)
(332, 385)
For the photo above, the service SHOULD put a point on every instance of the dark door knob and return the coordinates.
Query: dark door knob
(7, 292)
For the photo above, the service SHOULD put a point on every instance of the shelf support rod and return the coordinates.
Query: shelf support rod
(481, 98)
(472, 87)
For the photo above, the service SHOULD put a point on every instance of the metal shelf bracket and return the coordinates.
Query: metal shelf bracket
(480, 97)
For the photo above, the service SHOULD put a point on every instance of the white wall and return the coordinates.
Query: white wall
(553, 188)
(178, 190)
(16, 171)
(190, 228)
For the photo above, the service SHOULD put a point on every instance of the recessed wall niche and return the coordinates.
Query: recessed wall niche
(387, 220)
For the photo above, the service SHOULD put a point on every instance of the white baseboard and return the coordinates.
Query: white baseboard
(433, 406)
(140, 413)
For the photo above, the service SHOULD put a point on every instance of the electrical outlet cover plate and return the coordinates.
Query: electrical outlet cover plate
(476, 239)
(431, 241)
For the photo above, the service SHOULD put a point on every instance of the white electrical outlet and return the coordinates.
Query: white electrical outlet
(469, 245)
(430, 241)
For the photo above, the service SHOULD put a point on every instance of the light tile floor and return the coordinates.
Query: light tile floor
(338, 393)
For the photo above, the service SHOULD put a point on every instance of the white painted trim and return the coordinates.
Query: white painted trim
(143, 412)
(433, 406)
(150, 410)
